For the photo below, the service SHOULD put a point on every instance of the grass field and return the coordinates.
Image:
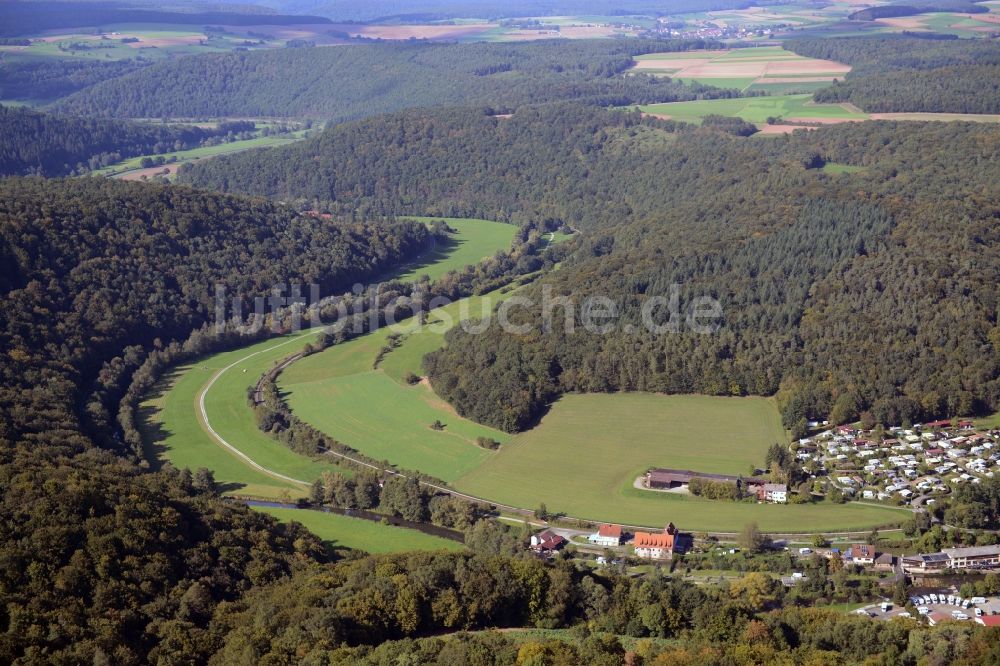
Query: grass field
(360, 534)
(174, 431)
(474, 241)
(755, 109)
(581, 459)
(376, 412)
(181, 156)
(584, 456)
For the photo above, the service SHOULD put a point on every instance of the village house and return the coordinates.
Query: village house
(546, 542)
(885, 562)
(860, 553)
(655, 546)
(609, 536)
(772, 493)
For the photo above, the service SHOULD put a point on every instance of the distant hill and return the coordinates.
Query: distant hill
(913, 8)
(425, 10)
(22, 18)
(347, 82)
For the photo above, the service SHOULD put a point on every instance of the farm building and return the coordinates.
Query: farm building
(675, 478)
(609, 536)
(974, 557)
(885, 562)
(925, 562)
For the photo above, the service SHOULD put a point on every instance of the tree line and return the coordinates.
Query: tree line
(43, 144)
(908, 74)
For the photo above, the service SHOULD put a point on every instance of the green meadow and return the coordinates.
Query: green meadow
(582, 459)
(181, 156)
(175, 431)
(585, 454)
(375, 411)
(473, 241)
(753, 109)
(345, 532)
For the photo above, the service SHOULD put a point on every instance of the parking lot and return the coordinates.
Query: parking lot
(937, 606)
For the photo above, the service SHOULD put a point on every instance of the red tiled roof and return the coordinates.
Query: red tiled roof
(938, 424)
(610, 531)
(989, 620)
(649, 540)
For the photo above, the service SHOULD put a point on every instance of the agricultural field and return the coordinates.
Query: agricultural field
(150, 41)
(797, 109)
(345, 532)
(768, 68)
(175, 430)
(950, 23)
(584, 456)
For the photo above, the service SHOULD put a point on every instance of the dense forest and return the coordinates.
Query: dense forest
(911, 74)
(33, 143)
(334, 614)
(323, 82)
(48, 80)
(110, 559)
(831, 285)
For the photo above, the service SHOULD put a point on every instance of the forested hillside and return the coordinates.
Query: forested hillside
(33, 143)
(112, 560)
(911, 74)
(45, 81)
(346, 82)
(831, 286)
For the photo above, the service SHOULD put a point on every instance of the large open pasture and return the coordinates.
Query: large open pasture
(758, 68)
(582, 459)
(345, 532)
(584, 456)
(176, 432)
